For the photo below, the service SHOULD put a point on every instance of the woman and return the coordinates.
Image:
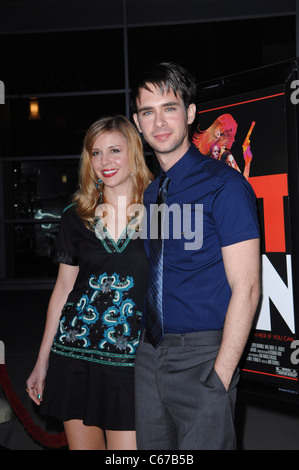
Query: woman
(217, 141)
(93, 320)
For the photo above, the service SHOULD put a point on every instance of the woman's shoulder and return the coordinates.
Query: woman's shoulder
(69, 214)
(70, 218)
(71, 208)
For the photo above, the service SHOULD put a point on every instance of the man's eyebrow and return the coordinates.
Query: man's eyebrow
(163, 105)
(144, 108)
(170, 103)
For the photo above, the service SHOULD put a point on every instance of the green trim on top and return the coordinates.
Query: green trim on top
(102, 233)
(66, 208)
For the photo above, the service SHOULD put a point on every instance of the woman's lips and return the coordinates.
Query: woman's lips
(109, 173)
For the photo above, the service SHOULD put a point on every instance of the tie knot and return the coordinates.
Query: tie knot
(163, 186)
(164, 181)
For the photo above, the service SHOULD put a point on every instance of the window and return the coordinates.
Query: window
(78, 77)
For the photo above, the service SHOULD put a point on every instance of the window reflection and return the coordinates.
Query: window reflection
(63, 123)
(39, 189)
(31, 252)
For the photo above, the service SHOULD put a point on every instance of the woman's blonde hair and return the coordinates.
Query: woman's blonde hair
(88, 195)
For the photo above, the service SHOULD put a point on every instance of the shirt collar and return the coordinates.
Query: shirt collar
(177, 172)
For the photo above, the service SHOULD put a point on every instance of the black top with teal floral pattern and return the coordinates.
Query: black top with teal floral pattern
(101, 319)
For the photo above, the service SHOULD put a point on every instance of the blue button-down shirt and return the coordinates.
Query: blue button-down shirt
(210, 205)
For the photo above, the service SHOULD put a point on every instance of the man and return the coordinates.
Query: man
(186, 380)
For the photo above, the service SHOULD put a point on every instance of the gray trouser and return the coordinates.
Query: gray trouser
(181, 404)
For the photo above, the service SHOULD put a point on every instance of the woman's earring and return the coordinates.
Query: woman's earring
(98, 187)
(99, 182)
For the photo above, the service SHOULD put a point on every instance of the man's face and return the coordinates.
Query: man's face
(216, 152)
(163, 121)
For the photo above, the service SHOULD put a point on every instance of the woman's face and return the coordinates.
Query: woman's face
(230, 160)
(110, 160)
(227, 138)
(217, 132)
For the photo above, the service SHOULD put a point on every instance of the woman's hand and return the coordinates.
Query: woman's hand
(36, 382)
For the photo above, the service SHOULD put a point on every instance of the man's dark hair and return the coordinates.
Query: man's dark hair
(166, 76)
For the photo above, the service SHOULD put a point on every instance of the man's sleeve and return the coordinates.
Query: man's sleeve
(235, 212)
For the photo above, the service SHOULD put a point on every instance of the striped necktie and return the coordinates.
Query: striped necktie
(154, 308)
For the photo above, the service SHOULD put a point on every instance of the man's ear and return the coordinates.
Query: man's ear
(191, 112)
(135, 117)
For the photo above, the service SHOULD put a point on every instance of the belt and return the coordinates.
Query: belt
(196, 338)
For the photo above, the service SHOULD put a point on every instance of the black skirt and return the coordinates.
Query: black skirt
(99, 395)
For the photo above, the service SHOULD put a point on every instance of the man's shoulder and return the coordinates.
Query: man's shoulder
(214, 168)
(222, 171)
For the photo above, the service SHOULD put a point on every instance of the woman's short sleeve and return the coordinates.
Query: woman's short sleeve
(65, 250)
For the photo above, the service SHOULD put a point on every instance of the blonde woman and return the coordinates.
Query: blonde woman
(85, 367)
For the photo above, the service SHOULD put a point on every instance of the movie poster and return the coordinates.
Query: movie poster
(248, 132)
